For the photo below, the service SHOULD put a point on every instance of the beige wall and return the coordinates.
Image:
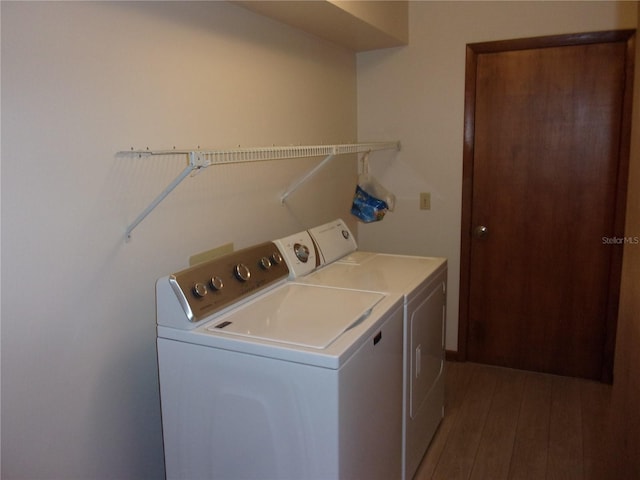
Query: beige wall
(625, 439)
(81, 81)
(416, 94)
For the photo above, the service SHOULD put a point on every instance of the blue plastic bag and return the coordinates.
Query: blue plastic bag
(367, 207)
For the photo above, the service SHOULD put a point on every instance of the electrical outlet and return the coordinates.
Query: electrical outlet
(425, 201)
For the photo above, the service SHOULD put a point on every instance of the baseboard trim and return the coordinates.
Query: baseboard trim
(451, 355)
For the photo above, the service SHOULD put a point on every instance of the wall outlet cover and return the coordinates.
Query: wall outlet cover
(425, 201)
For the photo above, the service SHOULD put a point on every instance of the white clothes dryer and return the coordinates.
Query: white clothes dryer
(264, 378)
(334, 261)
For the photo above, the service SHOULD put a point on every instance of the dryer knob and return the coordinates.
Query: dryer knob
(199, 290)
(242, 272)
(302, 252)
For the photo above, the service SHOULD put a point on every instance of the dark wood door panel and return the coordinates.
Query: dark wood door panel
(546, 178)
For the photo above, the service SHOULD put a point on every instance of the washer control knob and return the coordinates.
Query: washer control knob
(242, 272)
(276, 258)
(216, 283)
(265, 263)
(302, 252)
(199, 290)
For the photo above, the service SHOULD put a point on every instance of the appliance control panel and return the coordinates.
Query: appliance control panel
(300, 253)
(211, 286)
(334, 240)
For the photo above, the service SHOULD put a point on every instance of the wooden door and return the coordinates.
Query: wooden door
(546, 154)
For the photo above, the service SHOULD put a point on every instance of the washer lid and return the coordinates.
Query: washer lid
(377, 272)
(304, 315)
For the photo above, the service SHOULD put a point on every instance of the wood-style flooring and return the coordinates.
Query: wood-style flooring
(509, 424)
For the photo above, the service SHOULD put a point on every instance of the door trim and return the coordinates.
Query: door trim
(472, 52)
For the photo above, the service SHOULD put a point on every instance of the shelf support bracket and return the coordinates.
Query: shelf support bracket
(176, 181)
(306, 177)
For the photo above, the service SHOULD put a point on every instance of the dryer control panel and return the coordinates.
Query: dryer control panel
(334, 240)
(300, 253)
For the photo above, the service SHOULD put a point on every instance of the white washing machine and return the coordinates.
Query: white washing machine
(327, 255)
(261, 378)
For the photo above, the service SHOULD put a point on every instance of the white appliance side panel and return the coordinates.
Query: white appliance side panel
(371, 406)
(168, 309)
(425, 370)
(230, 415)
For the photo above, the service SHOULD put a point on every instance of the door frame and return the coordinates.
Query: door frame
(472, 52)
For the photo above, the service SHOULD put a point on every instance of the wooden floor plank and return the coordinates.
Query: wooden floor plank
(458, 457)
(498, 436)
(529, 460)
(596, 403)
(565, 431)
